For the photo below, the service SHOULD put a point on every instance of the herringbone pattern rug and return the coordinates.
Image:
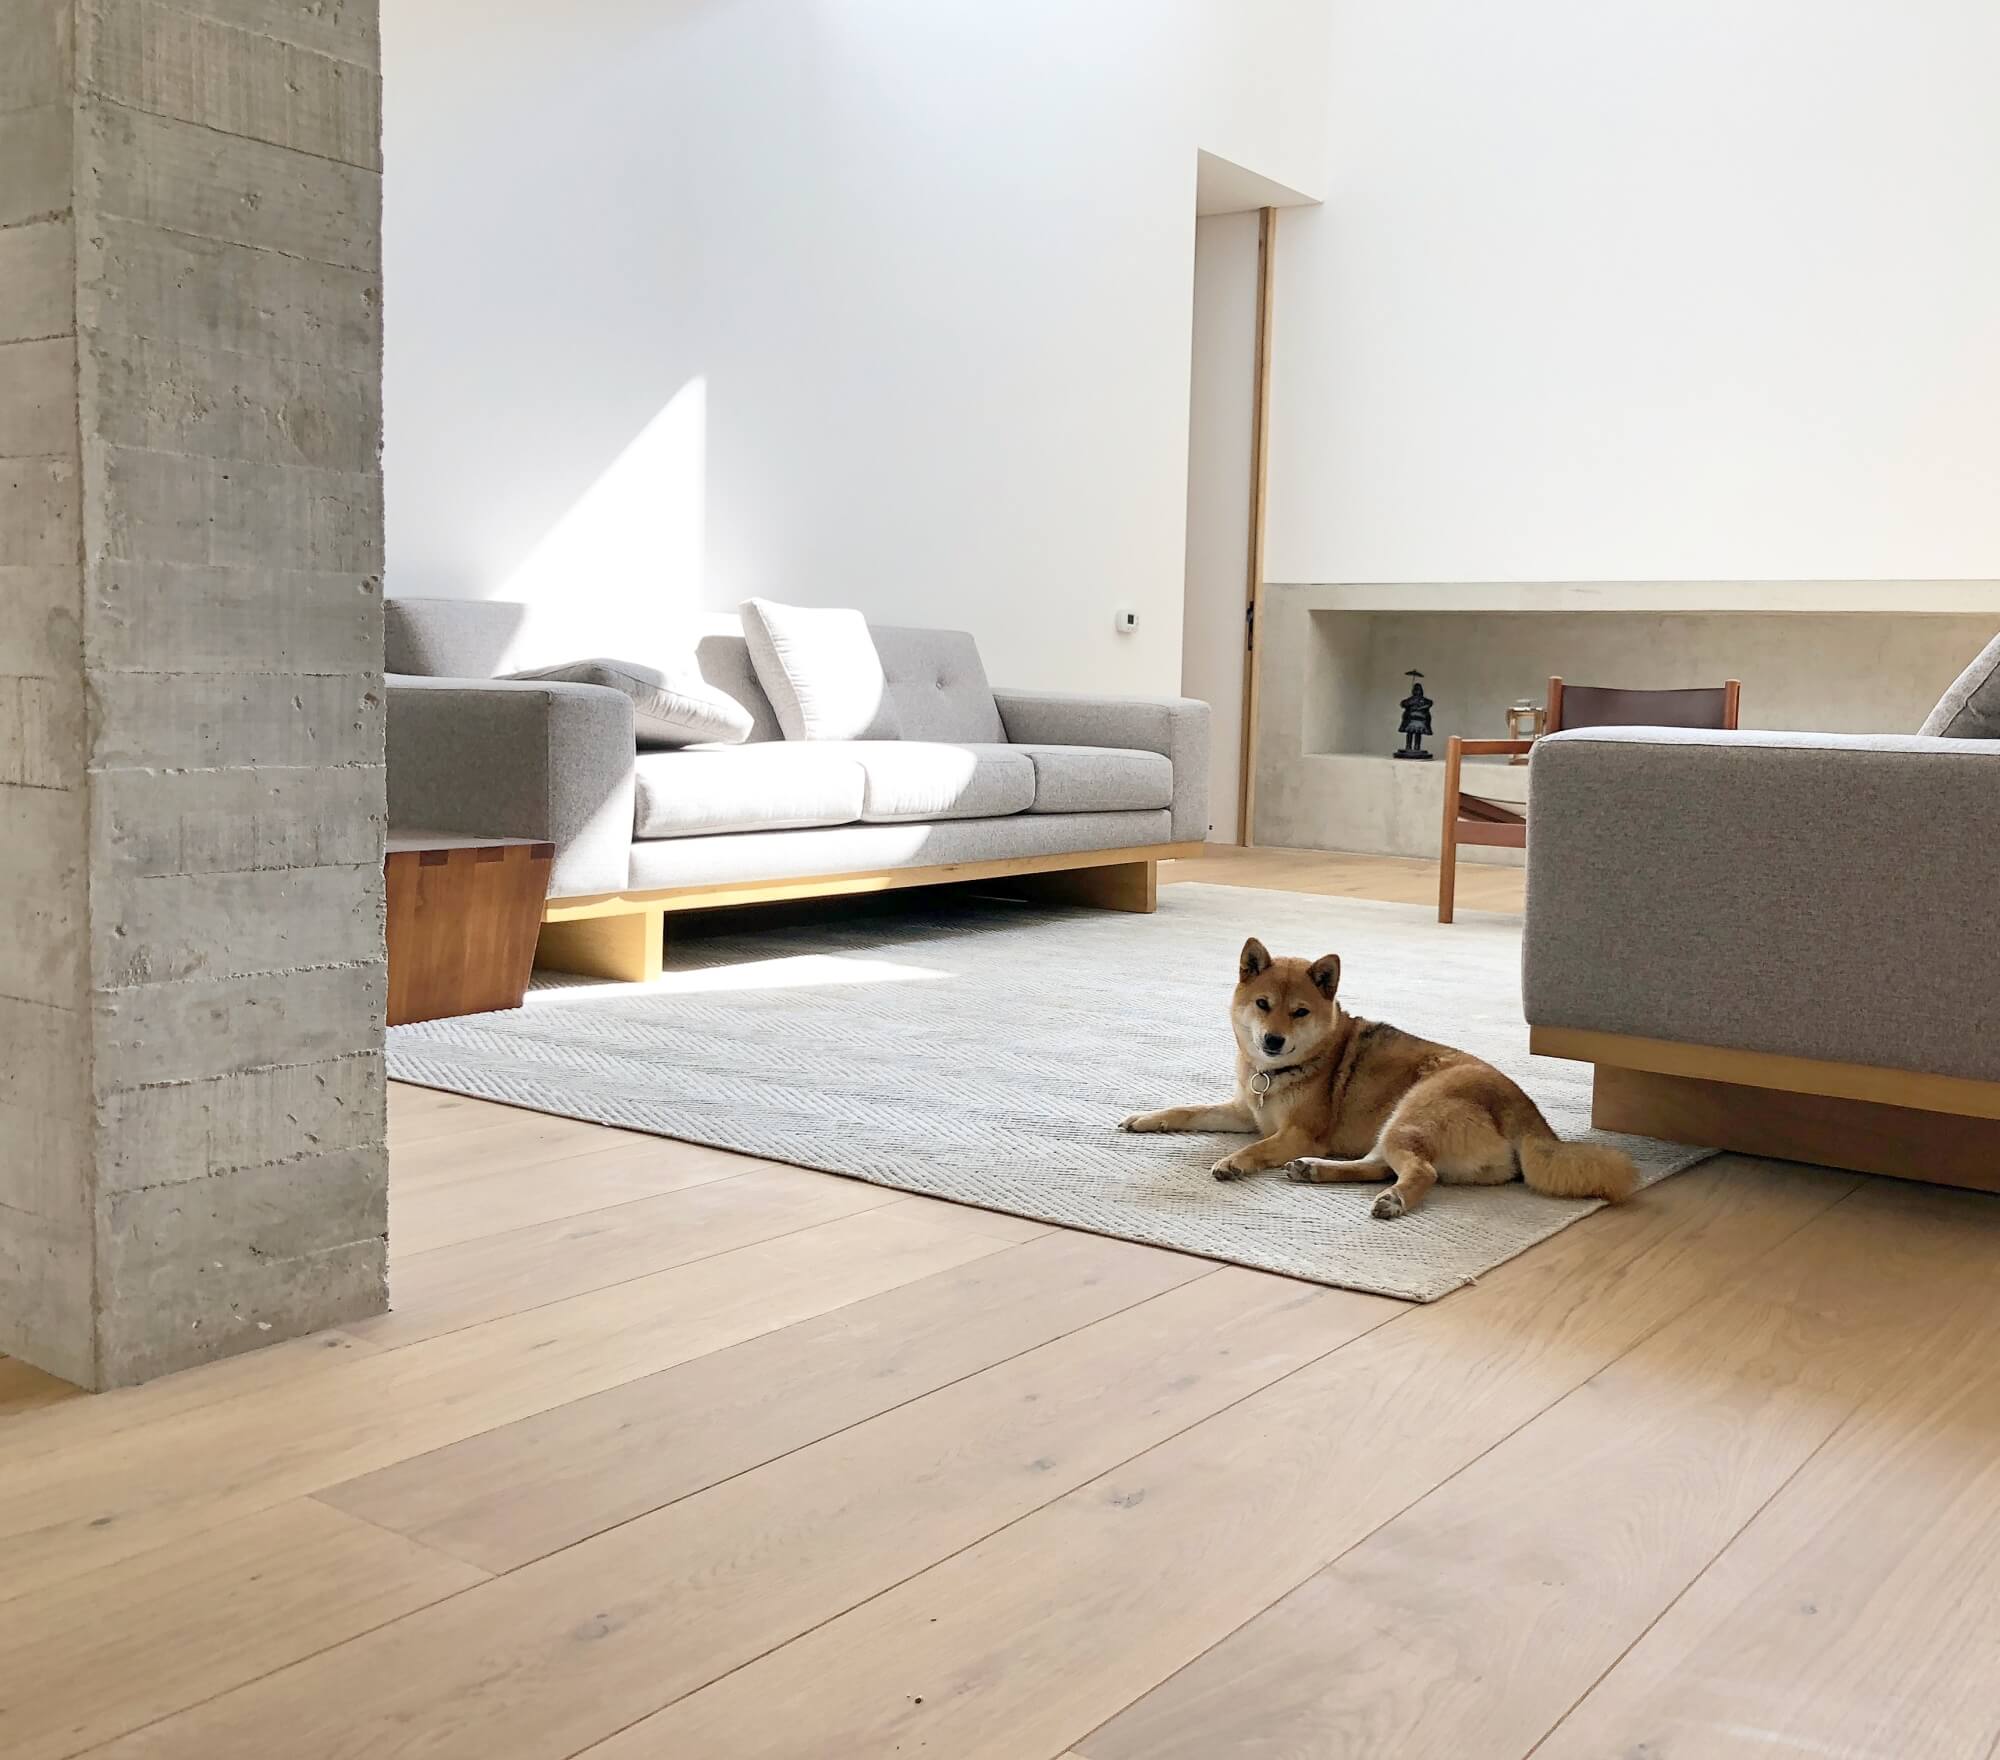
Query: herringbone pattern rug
(983, 1052)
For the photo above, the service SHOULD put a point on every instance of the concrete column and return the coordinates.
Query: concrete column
(191, 790)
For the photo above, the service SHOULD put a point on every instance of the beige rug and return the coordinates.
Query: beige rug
(983, 1052)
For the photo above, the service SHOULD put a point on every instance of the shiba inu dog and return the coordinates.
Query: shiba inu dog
(1334, 1097)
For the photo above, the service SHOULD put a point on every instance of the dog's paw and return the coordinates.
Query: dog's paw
(1389, 1206)
(1137, 1122)
(1226, 1168)
(1302, 1169)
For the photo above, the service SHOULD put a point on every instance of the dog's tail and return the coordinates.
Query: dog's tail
(1575, 1170)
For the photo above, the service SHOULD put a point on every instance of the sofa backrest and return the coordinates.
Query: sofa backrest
(935, 676)
(489, 638)
(453, 638)
(938, 683)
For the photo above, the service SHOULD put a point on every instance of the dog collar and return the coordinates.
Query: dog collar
(1260, 1083)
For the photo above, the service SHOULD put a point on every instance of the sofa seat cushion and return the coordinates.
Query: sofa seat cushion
(1099, 779)
(909, 779)
(767, 787)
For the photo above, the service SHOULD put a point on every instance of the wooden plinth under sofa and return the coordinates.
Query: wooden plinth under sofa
(1065, 796)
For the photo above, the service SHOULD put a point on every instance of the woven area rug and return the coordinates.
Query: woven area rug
(983, 1052)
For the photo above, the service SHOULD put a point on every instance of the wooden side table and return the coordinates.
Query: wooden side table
(463, 916)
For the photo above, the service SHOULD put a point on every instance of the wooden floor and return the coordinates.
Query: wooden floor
(668, 1453)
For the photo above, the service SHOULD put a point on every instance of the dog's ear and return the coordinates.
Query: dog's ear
(1255, 958)
(1325, 972)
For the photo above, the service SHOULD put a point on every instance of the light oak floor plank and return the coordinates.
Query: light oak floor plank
(24, 1388)
(420, 1115)
(448, 1213)
(569, 1649)
(1030, 1639)
(89, 1425)
(73, 1511)
(1858, 1617)
(1484, 886)
(493, 1276)
(994, 1222)
(1473, 1620)
(415, 1113)
(528, 1489)
(509, 1139)
(92, 1658)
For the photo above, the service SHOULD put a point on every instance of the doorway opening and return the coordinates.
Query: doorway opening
(1236, 229)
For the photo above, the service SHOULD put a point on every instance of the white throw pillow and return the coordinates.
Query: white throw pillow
(821, 672)
(678, 708)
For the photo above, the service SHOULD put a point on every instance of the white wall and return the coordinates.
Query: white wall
(879, 302)
(1221, 409)
(1655, 290)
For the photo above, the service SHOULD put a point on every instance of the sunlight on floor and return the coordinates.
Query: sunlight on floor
(802, 972)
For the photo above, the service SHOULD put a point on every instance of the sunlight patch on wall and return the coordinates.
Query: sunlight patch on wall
(624, 563)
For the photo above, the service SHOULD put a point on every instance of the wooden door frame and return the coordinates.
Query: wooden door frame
(1253, 588)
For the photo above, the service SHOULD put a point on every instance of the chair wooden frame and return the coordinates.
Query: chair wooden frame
(1503, 824)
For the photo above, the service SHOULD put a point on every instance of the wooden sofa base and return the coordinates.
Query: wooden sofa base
(623, 934)
(1944, 1129)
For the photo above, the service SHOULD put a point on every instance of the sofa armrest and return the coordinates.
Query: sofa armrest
(518, 758)
(1828, 896)
(1175, 727)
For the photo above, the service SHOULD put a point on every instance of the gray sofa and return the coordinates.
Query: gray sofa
(1787, 943)
(982, 783)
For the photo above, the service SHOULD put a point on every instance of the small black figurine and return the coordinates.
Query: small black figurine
(1416, 719)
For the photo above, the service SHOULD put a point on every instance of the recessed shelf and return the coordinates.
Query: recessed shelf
(1831, 672)
(1371, 801)
(1814, 656)
(1744, 598)
(1494, 774)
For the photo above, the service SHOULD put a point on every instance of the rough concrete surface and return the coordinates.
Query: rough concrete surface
(191, 790)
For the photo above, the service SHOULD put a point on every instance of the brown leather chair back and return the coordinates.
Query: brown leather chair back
(1589, 705)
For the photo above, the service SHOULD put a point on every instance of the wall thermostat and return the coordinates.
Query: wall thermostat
(1124, 622)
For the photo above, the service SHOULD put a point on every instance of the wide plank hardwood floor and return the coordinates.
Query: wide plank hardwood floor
(672, 1453)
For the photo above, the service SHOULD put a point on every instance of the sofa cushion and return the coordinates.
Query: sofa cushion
(722, 657)
(767, 787)
(1099, 779)
(939, 685)
(927, 779)
(1971, 708)
(677, 708)
(820, 670)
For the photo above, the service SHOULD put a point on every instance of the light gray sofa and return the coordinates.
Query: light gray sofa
(1786, 943)
(1081, 795)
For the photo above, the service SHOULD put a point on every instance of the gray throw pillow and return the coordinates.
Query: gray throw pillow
(679, 708)
(1971, 708)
